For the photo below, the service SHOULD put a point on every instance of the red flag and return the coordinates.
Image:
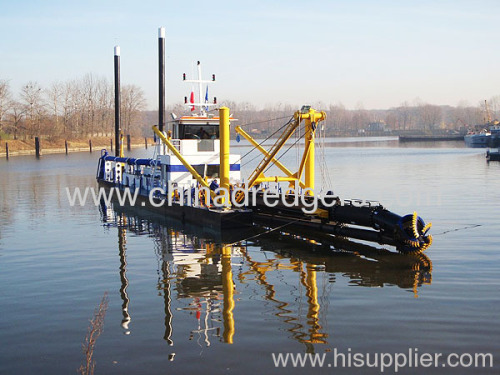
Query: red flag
(192, 100)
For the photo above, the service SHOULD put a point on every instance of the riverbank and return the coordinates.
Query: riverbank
(57, 146)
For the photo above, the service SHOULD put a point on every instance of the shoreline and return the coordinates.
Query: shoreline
(52, 151)
(25, 148)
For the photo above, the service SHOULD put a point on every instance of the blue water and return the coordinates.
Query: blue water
(290, 294)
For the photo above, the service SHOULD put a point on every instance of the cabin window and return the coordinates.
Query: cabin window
(212, 171)
(199, 132)
(200, 168)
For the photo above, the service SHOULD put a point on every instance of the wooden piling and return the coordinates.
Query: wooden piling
(128, 142)
(111, 149)
(90, 145)
(146, 142)
(38, 150)
(66, 146)
(7, 150)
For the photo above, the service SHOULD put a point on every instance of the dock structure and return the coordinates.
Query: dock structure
(431, 138)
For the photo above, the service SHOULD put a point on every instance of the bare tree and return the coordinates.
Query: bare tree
(77, 105)
(132, 104)
(105, 106)
(17, 115)
(5, 101)
(429, 116)
(339, 117)
(465, 115)
(392, 120)
(405, 116)
(67, 106)
(54, 97)
(31, 95)
(360, 117)
(88, 101)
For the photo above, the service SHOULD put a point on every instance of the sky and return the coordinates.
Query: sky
(364, 54)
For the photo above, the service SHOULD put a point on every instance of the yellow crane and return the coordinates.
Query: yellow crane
(487, 119)
(311, 118)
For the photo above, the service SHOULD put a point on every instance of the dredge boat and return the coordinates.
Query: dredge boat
(487, 135)
(193, 177)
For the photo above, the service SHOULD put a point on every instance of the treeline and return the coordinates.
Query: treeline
(78, 108)
(417, 117)
(85, 108)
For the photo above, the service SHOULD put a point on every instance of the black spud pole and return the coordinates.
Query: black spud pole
(117, 101)
(161, 78)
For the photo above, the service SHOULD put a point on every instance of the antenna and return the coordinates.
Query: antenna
(202, 103)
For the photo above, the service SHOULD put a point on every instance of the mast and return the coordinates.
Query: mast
(201, 103)
(200, 90)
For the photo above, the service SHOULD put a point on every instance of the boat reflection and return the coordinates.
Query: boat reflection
(207, 276)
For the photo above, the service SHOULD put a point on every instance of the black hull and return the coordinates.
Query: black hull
(493, 156)
(214, 221)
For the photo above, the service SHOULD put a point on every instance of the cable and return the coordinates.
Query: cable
(262, 122)
(325, 174)
(266, 232)
(288, 149)
(255, 157)
(261, 143)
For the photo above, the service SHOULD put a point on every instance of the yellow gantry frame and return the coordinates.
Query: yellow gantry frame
(311, 118)
(275, 161)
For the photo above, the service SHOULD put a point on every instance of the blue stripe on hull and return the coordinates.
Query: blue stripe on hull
(181, 168)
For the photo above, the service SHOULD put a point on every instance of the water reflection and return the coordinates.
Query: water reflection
(363, 264)
(291, 273)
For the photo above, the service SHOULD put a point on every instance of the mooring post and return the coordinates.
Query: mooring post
(128, 142)
(7, 150)
(90, 145)
(37, 147)
(117, 100)
(111, 148)
(66, 146)
(146, 142)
